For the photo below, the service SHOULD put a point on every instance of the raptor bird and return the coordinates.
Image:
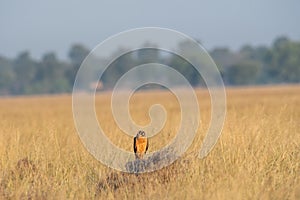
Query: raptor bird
(140, 144)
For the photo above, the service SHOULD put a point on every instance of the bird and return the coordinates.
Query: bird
(140, 144)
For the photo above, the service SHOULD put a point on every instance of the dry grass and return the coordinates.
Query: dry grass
(257, 156)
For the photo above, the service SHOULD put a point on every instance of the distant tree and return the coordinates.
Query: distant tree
(224, 58)
(244, 73)
(291, 71)
(279, 63)
(183, 65)
(247, 51)
(283, 61)
(259, 53)
(25, 69)
(148, 55)
(7, 76)
(50, 77)
(118, 67)
(186, 69)
(280, 42)
(77, 54)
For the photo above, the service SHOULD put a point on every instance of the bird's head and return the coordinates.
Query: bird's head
(141, 134)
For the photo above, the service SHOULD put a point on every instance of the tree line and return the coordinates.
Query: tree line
(279, 63)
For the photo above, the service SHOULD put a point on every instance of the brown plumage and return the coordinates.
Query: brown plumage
(140, 144)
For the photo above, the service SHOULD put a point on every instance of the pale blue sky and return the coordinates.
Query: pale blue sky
(42, 26)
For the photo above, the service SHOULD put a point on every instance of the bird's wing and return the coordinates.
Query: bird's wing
(134, 144)
(147, 145)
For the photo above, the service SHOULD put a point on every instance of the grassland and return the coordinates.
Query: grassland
(257, 156)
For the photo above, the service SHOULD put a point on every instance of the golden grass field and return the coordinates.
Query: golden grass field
(256, 157)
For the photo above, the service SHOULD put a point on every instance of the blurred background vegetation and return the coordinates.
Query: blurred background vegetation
(250, 65)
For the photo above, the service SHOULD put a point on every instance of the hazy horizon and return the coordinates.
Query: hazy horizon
(41, 27)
